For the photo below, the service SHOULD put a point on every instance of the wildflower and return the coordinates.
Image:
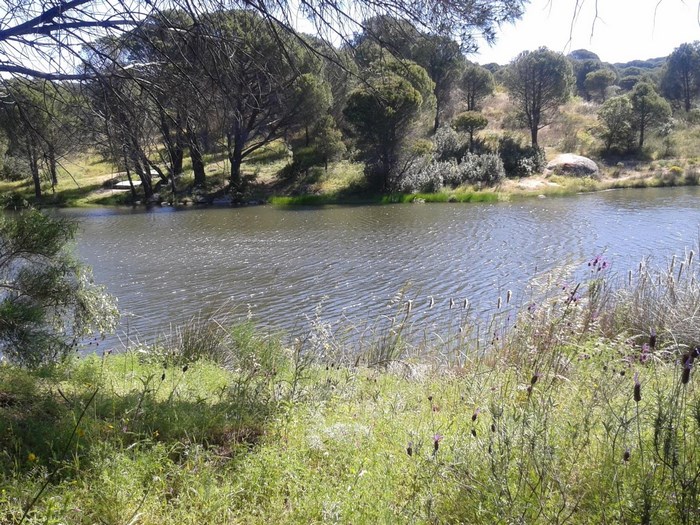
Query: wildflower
(430, 399)
(80, 432)
(31, 457)
(436, 442)
(644, 354)
(637, 388)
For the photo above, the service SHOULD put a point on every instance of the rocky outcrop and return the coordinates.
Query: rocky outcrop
(570, 164)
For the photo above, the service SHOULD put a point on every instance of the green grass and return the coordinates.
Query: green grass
(322, 200)
(574, 415)
(442, 196)
(394, 198)
(208, 445)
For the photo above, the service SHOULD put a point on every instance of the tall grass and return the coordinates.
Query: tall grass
(578, 404)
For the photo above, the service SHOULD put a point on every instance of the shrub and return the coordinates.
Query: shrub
(519, 160)
(430, 176)
(485, 169)
(48, 301)
(450, 144)
(14, 169)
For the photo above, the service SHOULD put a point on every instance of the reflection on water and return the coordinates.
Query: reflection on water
(281, 264)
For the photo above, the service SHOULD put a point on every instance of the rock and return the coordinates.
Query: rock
(570, 164)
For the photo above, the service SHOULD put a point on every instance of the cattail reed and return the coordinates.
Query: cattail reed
(465, 304)
(431, 303)
(687, 362)
(690, 257)
(534, 379)
(498, 305)
(409, 306)
(652, 339)
(626, 455)
(452, 303)
(637, 388)
(409, 448)
(509, 294)
(629, 278)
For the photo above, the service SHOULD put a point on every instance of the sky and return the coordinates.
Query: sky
(624, 29)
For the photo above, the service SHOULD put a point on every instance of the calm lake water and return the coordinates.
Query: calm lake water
(285, 267)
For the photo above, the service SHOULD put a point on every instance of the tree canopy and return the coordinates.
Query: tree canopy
(47, 38)
(538, 81)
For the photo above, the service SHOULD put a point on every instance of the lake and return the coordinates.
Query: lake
(285, 267)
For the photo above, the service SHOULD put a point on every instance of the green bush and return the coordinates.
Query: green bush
(48, 301)
(14, 169)
(520, 160)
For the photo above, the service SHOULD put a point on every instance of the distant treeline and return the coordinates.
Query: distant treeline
(408, 104)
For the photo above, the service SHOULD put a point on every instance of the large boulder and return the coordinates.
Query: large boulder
(570, 164)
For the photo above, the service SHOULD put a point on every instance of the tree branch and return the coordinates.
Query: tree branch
(21, 70)
(30, 26)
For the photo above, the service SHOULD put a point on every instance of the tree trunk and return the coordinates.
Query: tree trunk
(197, 158)
(52, 166)
(436, 124)
(34, 168)
(142, 170)
(641, 135)
(235, 143)
(533, 136)
(172, 144)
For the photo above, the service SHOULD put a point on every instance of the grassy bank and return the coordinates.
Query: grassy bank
(572, 414)
(88, 181)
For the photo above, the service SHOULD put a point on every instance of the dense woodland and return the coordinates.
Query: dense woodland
(161, 98)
